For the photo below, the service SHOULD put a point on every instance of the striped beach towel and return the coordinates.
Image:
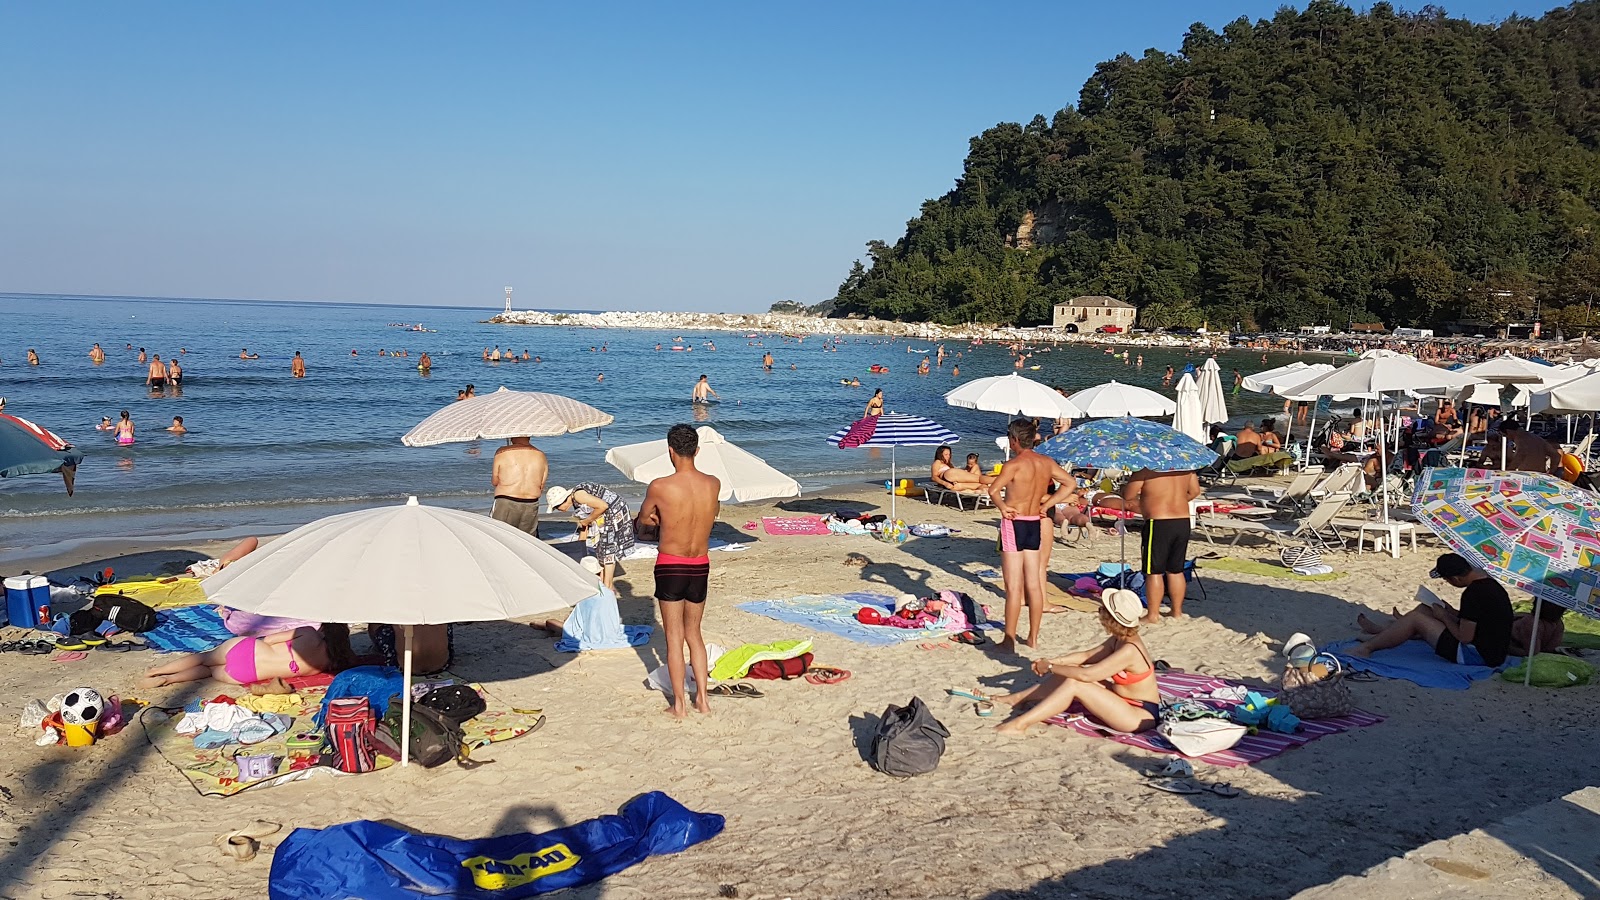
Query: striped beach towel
(188, 629)
(1252, 749)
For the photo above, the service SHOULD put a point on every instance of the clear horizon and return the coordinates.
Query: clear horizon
(715, 159)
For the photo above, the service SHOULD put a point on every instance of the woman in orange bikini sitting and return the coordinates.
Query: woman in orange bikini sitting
(957, 479)
(1114, 682)
(251, 660)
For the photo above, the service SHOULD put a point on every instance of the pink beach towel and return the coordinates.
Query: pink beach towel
(860, 432)
(794, 525)
(1252, 749)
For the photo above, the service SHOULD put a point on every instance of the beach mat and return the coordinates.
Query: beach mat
(1265, 570)
(188, 629)
(214, 774)
(836, 614)
(158, 593)
(1413, 661)
(794, 525)
(1253, 748)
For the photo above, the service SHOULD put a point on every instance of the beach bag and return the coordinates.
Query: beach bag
(124, 612)
(909, 741)
(458, 702)
(350, 731)
(1197, 737)
(1297, 557)
(435, 738)
(1312, 696)
(774, 669)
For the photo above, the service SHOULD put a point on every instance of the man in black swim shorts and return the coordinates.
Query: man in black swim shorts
(1163, 499)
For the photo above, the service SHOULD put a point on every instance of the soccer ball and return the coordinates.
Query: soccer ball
(82, 706)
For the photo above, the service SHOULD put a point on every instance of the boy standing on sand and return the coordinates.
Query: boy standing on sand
(680, 509)
(1026, 479)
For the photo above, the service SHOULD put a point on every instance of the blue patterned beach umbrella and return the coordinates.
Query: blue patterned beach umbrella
(1127, 443)
(892, 430)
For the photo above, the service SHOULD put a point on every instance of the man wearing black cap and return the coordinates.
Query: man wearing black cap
(1478, 635)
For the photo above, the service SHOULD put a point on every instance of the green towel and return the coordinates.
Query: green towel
(736, 662)
(1552, 670)
(1269, 570)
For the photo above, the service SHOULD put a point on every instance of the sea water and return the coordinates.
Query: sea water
(267, 452)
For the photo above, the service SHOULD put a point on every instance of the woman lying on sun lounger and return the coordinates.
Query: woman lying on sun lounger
(1114, 681)
(250, 660)
(947, 474)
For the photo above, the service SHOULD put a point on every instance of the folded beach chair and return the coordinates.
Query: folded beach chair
(1316, 528)
(935, 493)
(1296, 495)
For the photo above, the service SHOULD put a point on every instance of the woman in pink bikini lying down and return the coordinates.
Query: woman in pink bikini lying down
(251, 660)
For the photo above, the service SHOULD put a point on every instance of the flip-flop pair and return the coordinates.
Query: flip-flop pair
(1185, 786)
(942, 645)
(741, 689)
(826, 675)
(28, 647)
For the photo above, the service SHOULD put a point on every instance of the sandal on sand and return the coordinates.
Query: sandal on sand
(741, 689)
(70, 643)
(1363, 675)
(1176, 786)
(826, 675)
(36, 648)
(985, 708)
(71, 655)
(942, 645)
(1223, 789)
(973, 637)
(967, 695)
(1175, 768)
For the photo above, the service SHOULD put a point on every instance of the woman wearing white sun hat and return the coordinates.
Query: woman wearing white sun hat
(1114, 680)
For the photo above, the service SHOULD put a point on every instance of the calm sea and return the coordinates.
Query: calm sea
(267, 452)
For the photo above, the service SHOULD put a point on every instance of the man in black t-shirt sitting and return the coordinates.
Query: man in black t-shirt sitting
(1478, 635)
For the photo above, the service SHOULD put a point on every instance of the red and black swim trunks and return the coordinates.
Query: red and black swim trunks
(682, 577)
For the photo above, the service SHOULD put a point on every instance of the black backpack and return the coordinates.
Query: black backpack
(435, 739)
(909, 741)
(458, 702)
(124, 612)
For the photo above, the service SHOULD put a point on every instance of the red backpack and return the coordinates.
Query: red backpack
(774, 669)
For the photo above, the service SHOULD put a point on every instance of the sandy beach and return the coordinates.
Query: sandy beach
(1052, 814)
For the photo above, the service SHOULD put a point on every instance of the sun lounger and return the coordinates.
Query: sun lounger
(1298, 491)
(1315, 529)
(936, 493)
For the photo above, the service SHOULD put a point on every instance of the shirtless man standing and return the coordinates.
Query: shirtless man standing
(702, 391)
(297, 366)
(1525, 452)
(1025, 479)
(680, 510)
(766, 361)
(96, 355)
(1163, 499)
(520, 472)
(156, 378)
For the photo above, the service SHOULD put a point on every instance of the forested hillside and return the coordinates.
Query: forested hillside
(1318, 167)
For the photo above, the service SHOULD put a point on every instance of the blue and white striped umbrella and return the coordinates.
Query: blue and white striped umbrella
(892, 430)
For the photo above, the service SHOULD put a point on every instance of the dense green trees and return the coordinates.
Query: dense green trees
(1317, 167)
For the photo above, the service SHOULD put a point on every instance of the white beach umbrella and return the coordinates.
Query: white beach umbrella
(1213, 405)
(1576, 397)
(1013, 395)
(1188, 417)
(1508, 369)
(744, 476)
(505, 414)
(403, 565)
(1260, 382)
(1112, 399)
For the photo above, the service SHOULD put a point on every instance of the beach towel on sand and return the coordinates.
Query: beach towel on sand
(836, 614)
(1415, 662)
(188, 629)
(595, 624)
(794, 525)
(736, 662)
(1251, 748)
(378, 861)
(158, 593)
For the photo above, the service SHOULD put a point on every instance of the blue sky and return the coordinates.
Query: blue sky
(712, 156)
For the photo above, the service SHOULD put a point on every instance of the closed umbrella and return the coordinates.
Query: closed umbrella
(1187, 418)
(892, 430)
(1114, 399)
(27, 449)
(1213, 405)
(404, 565)
(744, 476)
(505, 414)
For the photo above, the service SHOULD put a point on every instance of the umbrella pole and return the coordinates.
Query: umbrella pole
(1309, 435)
(893, 484)
(1533, 644)
(1383, 460)
(405, 706)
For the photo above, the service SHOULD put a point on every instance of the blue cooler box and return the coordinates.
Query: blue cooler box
(28, 601)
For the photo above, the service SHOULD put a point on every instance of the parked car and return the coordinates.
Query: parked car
(1108, 329)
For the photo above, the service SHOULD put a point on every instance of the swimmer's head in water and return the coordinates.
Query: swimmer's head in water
(177, 420)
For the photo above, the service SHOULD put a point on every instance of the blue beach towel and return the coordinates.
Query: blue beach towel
(1415, 662)
(188, 629)
(836, 614)
(376, 861)
(595, 624)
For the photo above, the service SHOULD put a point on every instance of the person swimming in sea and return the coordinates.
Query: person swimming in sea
(244, 353)
(125, 429)
(177, 426)
(105, 424)
(703, 391)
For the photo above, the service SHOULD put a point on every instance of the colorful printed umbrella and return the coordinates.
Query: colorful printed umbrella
(27, 449)
(892, 430)
(1128, 443)
(1531, 531)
